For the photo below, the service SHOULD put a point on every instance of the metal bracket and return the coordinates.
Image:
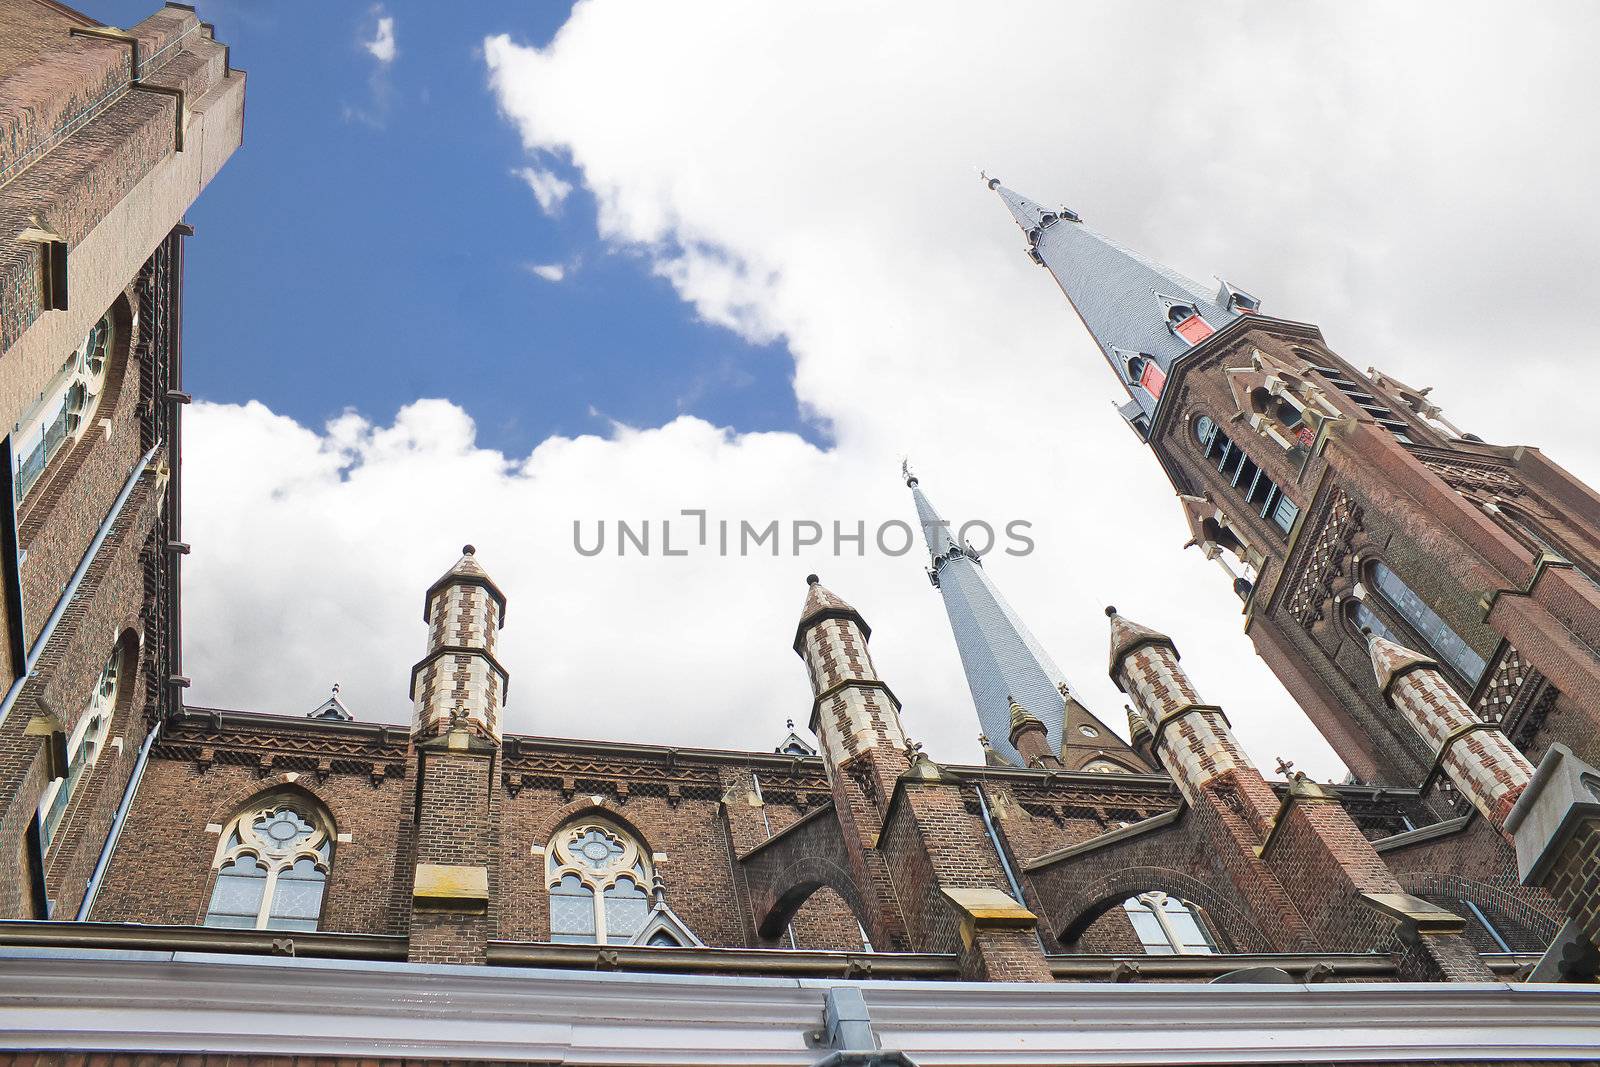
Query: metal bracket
(847, 1029)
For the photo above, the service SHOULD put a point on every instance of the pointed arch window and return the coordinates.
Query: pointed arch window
(1168, 926)
(83, 748)
(597, 875)
(1441, 639)
(272, 868)
(64, 406)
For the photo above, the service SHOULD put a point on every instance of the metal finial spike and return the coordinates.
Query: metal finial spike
(993, 183)
(906, 472)
(812, 579)
(1111, 609)
(788, 724)
(468, 550)
(335, 688)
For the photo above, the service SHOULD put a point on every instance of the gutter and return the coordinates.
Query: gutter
(75, 581)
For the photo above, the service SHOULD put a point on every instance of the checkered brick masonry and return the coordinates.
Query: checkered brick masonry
(460, 683)
(1304, 848)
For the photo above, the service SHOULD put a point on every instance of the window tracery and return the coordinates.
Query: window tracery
(597, 875)
(272, 868)
(1168, 926)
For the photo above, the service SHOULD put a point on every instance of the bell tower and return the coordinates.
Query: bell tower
(1341, 500)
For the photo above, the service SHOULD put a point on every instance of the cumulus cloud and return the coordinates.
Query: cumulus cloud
(381, 46)
(1404, 179)
(548, 188)
(550, 272)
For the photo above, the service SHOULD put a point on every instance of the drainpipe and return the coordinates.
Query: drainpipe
(116, 823)
(999, 850)
(73, 583)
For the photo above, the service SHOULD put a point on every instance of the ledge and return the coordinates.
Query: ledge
(1094, 844)
(1423, 833)
(1088, 968)
(774, 962)
(138, 936)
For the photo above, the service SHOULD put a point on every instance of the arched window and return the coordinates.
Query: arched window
(1105, 766)
(598, 877)
(64, 406)
(1242, 474)
(1168, 926)
(1437, 634)
(83, 748)
(272, 868)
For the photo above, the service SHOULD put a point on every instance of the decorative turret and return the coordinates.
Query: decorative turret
(854, 715)
(1141, 314)
(1004, 664)
(460, 685)
(1028, 737)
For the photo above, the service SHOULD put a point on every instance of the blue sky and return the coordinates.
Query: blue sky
(809, 173)
(369, 246)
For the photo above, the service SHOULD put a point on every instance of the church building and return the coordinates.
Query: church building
(1109, 886)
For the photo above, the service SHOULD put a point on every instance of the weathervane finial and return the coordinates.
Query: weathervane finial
(993, 183)
(906, 472)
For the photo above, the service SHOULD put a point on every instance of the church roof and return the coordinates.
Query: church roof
(1130, 304)
(821, 603)
(466, 571)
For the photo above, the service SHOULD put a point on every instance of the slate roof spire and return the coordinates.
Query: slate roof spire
(1142, 315)
(1004, 664)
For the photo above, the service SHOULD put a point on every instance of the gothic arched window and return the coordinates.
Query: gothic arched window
(83, 748)
(598, 876)
(1168, 926)
(64, 406)
(1441, 639)
(272, 867)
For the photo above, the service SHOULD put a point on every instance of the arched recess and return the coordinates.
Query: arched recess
(56, 433)
(1230, 927)
(794, 885)
(1498, 919)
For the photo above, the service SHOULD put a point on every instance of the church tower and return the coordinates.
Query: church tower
(1341, 501)
(1025, 706)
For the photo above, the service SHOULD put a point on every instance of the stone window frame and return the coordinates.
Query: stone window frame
(81, 370)
(238, 838)
(85, 745)
(1277, 506)
(1154, 902)
(634, 863)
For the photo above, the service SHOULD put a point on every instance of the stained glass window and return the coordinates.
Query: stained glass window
(597, 879)
(273, 869)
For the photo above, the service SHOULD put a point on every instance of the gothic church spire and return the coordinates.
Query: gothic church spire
(1005, 665)
(1142, 315)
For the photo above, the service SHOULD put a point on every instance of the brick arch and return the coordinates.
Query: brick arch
(1526, 917)
(546, 828)
(793, 885)
(1230, 924)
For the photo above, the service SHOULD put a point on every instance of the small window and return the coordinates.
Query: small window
(1105, 766)
(273, 868)
(83, 749)
(1168, 926)
(1088, 731)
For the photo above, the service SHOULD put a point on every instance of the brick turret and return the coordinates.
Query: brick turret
(1302, 858)
(1549, 814)
(459, 688)
(460, 684)
(1030, 737)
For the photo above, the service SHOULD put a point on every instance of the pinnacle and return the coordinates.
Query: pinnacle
(820, 601)
(1127, 635)
(1390, 660)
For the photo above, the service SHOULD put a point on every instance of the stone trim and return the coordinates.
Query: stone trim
(1094, 844)
(1424, 833)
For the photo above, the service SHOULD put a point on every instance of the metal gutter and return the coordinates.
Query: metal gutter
(75, 581)
(139, 936)
(773, 962)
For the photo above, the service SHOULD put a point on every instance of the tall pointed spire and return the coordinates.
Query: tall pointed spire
(1004, 664)
(1142, 315)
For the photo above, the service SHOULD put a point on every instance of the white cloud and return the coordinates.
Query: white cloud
(548, 188)
(550, 272)
(381, 46)
(1369, 167)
